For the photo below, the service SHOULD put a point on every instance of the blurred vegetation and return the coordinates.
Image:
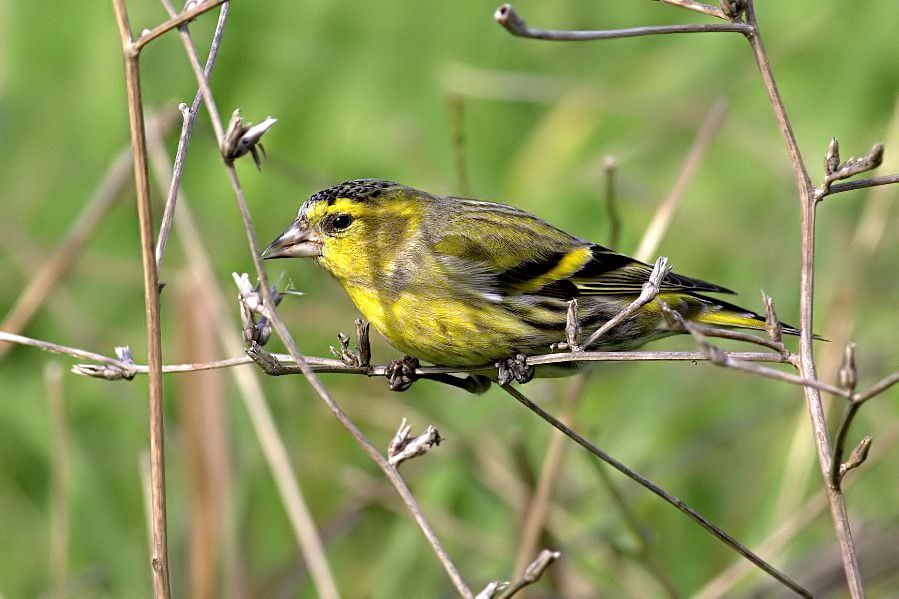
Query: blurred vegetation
(362, 90)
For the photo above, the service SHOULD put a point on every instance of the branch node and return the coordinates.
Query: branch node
(648, 293)
(572, 330)
(847, 377)
(361, 354)
(834, 171)
(533, 572)
(265, 360)
(492, 590)
(111, 372)
(241, 139)
(404, 446)
(773, 326)
(255, 316)
(832, 158)
(857, 457)
(537, 567)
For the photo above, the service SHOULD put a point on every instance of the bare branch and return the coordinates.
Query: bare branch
(186, 17)
(834, 171)
(506, 16)
(863, 183)
(877, 388)
(188, 117)
(648, 484)
(532, 573)
(720, 357)
(160, 557)
(280, 364)
(857, 457)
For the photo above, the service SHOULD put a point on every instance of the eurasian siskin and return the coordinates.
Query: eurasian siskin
(462, 283)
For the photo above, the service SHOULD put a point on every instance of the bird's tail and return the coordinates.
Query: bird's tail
(716, 313)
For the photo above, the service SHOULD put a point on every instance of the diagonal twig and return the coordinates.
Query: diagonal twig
(507, 17)
(648, 484)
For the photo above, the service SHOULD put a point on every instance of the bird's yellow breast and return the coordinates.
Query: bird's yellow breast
(445, 331)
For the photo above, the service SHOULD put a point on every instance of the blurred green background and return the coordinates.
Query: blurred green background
(365, 90)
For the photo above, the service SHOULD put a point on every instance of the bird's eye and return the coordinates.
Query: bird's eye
(341, 222)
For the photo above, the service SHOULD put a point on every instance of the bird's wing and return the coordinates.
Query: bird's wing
(611, 273)
(502, 250)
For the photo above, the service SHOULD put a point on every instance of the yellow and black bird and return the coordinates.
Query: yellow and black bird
(461, 283)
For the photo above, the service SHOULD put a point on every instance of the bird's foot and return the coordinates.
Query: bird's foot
(401, 373)
(515, 368)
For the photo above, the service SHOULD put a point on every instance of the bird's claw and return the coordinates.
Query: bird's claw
(401, 373)
(515, 368)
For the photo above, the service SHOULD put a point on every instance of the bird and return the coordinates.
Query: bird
(463, 283)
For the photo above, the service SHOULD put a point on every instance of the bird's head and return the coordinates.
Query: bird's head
(352, 229)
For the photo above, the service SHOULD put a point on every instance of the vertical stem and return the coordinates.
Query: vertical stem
(806, 363)
(160, 565)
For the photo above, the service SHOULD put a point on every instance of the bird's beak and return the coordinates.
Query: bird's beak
(295, 242)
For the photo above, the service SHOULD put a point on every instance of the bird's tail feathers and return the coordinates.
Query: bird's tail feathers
(717, 313)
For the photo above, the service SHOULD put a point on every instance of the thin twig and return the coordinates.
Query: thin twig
(661, 220)
(202, 80)
(877, 388)
(330, 365)
(719, 357)
(188, 117)
(187, 16)
(648, 484)
(531, 573)
(863, 183)
(649, 292)
(160, 565)
(507, 17)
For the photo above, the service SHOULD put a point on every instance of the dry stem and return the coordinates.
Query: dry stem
(151, 297)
